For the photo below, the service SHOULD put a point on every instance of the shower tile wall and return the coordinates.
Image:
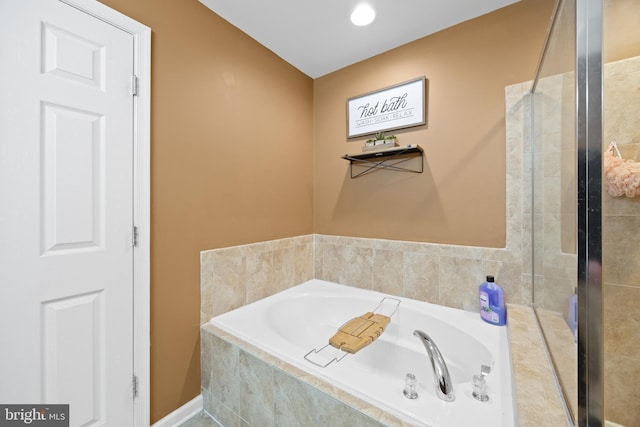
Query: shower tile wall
(621, 250)
(554, 194)
(554, 213)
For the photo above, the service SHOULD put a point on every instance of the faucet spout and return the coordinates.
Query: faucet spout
(441, 377)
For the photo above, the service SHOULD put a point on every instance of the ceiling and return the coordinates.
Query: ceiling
(317, 37)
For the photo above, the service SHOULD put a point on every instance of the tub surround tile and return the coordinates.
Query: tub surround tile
(256, 391)
(467, 252)
(441, 274)
(273, 392)
(509, 276)
(332, 412)
(206, 356)
(235, 276)
(230, 270)
(356, 265)
(459, 280)
(539, 399)
(421, 272)
(388, 420)
(340, 395)
(388, 271)
(260, 276)
(295, 402)
(563, 351)
(335, 262)
(224, 373)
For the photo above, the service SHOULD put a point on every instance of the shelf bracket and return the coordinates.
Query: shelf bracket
(385, 160)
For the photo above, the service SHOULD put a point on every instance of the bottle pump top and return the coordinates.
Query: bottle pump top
(491, 279)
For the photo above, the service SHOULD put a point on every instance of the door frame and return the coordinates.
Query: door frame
(141, 197)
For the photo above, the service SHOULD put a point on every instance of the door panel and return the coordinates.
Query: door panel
(71, 56)
(73, 350)
(72, 179)
(66, 211)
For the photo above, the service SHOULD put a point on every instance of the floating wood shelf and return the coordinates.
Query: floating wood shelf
(389, 158)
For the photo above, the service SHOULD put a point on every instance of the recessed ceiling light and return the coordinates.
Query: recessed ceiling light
(363, 15)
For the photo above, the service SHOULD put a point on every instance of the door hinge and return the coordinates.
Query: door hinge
(134, 85)
(134, 236)
(134, 385)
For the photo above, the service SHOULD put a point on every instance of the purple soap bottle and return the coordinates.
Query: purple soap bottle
(492, 308)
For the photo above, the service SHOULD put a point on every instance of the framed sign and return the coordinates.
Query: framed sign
(395, 107)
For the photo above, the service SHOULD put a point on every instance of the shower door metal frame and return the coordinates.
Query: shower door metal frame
(589, 66)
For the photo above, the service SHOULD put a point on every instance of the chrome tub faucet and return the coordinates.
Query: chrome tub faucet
(441, 377)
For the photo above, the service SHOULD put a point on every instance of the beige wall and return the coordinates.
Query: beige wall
(232, 132)
(460, 197)
(231, 137)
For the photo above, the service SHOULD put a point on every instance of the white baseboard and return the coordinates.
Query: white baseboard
(182, 414)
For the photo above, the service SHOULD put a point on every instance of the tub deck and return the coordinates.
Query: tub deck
(279, 330)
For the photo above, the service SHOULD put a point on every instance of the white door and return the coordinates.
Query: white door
(66, 202)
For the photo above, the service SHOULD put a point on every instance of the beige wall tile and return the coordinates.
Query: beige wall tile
(332, 412)
(621, 390)
(260, 275)
(224, 373)
(459, 280)
(620, 252)
(421, 277)
(509, 276)
(348, 265)
(388, 271)
(621, 321)
(232, 277)
(256, 391)
(295, 402)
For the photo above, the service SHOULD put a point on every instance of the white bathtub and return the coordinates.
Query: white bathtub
(291, 323)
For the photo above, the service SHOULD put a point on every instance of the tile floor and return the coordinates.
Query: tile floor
(200, 420)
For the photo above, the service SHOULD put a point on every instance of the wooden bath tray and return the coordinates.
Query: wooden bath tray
(353, 335)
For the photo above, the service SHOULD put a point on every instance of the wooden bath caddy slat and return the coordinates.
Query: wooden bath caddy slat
(354, 335)
(359, 332)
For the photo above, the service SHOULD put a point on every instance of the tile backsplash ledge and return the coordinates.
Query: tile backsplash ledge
(442, 274)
